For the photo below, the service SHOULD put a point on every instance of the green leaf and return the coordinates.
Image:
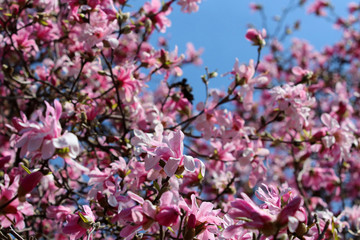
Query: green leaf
(26, 169)
(334, 231)
(170, 229)
(83, 218)
(43, 22)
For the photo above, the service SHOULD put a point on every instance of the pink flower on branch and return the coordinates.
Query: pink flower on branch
(12, 211)
(318, 7)
(244, 76)
(44, 137)
(157, 17)
(144, 216)
(339, 139)
(257, 38)
(78, 224)
(201, 221)
(189, 6)
(296, 103)
(163, 150)
(269, 218)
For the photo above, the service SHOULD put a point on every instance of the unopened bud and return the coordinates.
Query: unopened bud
(213, 75)
(126, 29)
(148, 25)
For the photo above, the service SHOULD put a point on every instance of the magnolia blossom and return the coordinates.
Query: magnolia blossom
(14, 211)
(257, 38)
(275, 131)
(295, 102)
(163, 150)
(144, 215)
(204, 217)
(159, 20)
(318, 6)
(244, 76)
(339, 138)
(78, 224)
(44, 137)
(270, 217)
(353, 7)
(192, 55)
(97, 30)
(189, 6)
(128, 85)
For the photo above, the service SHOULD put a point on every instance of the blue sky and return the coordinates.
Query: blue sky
(220, 26)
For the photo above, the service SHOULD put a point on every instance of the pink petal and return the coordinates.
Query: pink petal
(35, 143)
(189, 163)
(58, 109)
(149, 209)
(135, 197)
(171, 166)
(231, 231)
(329, 121)
(47, 149)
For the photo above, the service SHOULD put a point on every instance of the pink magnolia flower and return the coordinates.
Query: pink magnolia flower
(334, 228)
(163, 150)
(353, 214)
(317, 177)
(158, 19)
(255, 7)
(353, 7)
(170, 62)
(23, 42)
(13, 212)
(203, 217)
(128, 85)
(168, 211)
(137, 217)
(189, 6)
(318, 7)
(245, 74)
(58, 212)
(295, 102)
(144, 215)
(268, 218)
(303, 73)
(246, 208)
(339, 138)
(98, 29)
(192, 55)
(44, 137)
(78, 224)
(257, 38)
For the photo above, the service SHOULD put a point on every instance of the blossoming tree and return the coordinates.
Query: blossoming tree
(89, 151)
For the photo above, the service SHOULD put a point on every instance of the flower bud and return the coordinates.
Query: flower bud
(256, 37)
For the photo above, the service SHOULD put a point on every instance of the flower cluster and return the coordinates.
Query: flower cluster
(103, 134)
